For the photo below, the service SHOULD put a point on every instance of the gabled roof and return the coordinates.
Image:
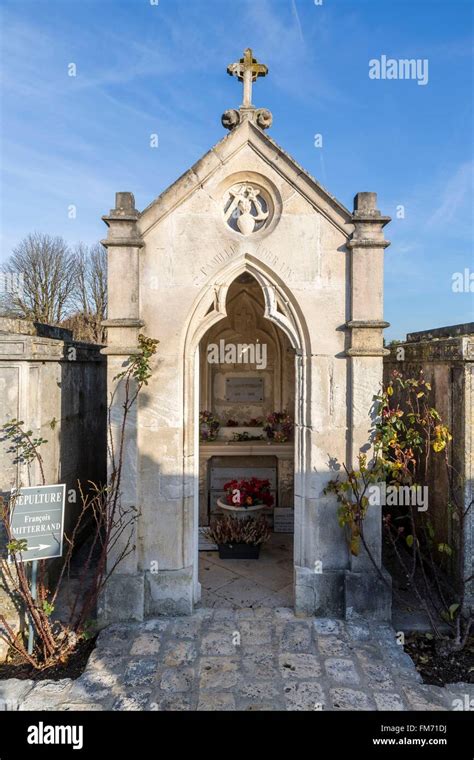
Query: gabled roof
(245, 134)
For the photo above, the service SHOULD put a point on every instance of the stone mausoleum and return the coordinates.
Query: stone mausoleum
(246, 249)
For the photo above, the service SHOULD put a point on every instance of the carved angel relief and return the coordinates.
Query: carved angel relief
(246, 209)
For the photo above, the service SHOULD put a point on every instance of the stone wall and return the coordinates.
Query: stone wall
(446, 356)
(46, 377)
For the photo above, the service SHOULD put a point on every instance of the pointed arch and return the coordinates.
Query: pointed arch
(281, 308)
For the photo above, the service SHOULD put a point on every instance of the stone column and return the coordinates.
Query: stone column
(366, 592)
(123, 597)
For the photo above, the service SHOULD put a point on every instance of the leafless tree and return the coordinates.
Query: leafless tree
(90, 294)
(47, 271)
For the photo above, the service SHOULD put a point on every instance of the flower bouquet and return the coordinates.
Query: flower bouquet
(209, 426)
(248, 493)
(279, 427)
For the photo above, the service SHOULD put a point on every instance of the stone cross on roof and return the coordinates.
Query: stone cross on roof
(247, 71)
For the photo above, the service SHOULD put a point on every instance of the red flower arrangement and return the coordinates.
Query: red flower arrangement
(248, 493)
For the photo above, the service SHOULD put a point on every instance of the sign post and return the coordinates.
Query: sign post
(31, 629)
(37, 517)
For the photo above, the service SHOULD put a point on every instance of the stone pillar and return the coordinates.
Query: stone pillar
(366, 593)
(123, 597)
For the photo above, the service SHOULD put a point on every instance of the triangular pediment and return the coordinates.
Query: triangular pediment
(246, 135)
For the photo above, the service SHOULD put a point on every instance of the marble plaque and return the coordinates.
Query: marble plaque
(246, 389)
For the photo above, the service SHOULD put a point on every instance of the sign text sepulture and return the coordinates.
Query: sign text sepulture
(38, 517)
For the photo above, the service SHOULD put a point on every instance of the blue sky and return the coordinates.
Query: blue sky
(144, 69)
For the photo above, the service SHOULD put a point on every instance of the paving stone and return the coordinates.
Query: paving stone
(131, 702)
(327, 627)
(218, 672)
(116, 638)
(13, 691)
(242, 593)
(246, 613)
(334, 646)
(388, 701)
(296, 637)
(186, 628)
(304, 695)
(159, 625)
(341, 671)
(216, 701)
(350, 699)
(299, 665)
(367, 652)
(102, 659)
(259, 664)
(176, 703)
(259, 690)
(224, 615)
(402, 662)
(423, 697)
(179, 653)
(218, 643)
(282, 662)
(358, 631)
(94, 685)
(140, 672)
(284, 613)
(147, 644)
(378, 676)
(177, 679)
(213, 576)
(263, 613)
(203, 614)
(47, 695)
(255, 633)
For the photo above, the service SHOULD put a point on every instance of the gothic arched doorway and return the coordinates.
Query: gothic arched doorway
(250, 307)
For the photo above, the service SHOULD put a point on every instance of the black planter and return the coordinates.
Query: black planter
(239, 551)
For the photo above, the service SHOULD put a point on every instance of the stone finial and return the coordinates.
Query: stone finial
(365, 210)
(124, 202)
(124, 207)
(231, 118)
(365, 202)
(247, 70)
(264, 118)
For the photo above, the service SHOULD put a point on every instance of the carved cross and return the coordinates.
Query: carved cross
(247, 71)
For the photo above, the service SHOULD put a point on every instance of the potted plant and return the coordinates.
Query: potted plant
(209, 425)
(279, 427)
(239, 539)
(244, 497)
